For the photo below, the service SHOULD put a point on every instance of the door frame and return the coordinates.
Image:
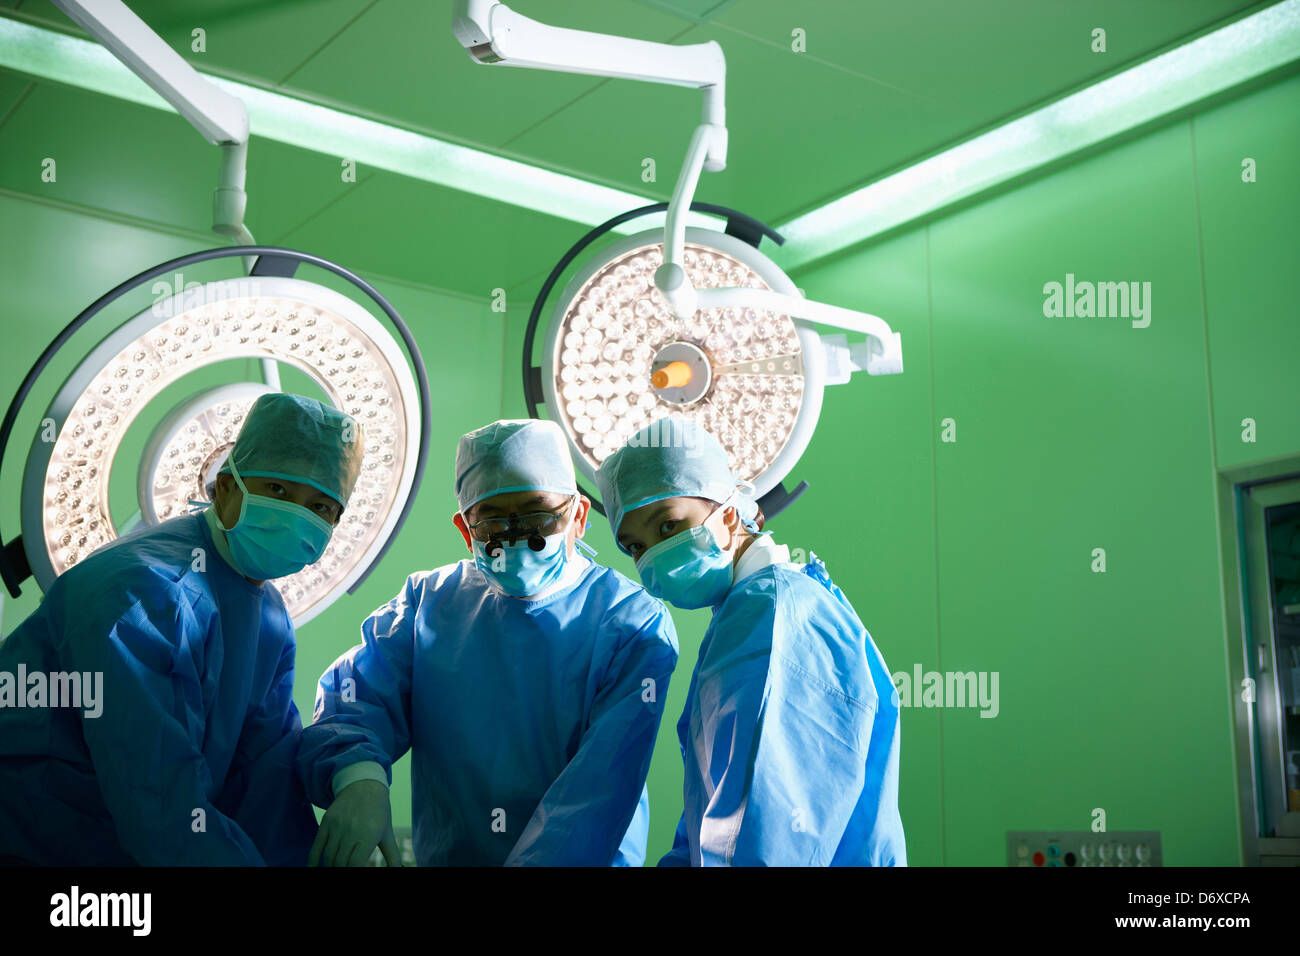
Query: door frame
(1243, 494)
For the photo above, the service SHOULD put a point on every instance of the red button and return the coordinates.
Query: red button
(1038, 859)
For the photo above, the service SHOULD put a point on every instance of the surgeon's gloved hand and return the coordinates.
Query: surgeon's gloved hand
(359, 819)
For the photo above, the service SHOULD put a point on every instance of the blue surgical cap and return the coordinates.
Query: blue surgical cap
(527, 454)
(300, 439)
(670, 458)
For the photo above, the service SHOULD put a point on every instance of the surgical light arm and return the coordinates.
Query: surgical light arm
(220, 118)
(492, 33)
(883, 351)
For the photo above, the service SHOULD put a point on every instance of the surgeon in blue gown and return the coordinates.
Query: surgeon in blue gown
(790, 735)
(527, 683)
(190, 757)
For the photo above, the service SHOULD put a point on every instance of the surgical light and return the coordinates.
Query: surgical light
(677, 321)
(618, 359)
(267, 315)
(274, 318)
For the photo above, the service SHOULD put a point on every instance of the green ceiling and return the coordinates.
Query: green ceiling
(880, 86)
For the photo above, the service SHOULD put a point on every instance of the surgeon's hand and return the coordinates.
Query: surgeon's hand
(359, 819)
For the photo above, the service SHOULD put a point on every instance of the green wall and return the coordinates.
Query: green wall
(975, 555)
(1071, 434)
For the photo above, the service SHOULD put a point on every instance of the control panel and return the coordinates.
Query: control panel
(1083, 848)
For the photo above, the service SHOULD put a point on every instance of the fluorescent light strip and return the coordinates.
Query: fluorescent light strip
(50, 55)
(1184, 75)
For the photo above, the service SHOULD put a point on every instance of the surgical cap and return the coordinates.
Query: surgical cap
(300, 439)
(526, 454)
(670, 458)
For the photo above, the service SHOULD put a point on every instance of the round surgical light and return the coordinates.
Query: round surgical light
(330, 337)
(617, 359)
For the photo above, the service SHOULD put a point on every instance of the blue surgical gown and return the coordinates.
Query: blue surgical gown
(790, 734)
(530, 723)
(197, 714)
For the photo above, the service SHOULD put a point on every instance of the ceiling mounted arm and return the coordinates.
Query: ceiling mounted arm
(220, 118)
(493, 34)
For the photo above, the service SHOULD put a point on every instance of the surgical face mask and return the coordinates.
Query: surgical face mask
(688, 570)
(520, 571)
(274, 538)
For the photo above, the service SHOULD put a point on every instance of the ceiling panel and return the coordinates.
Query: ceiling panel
(110, 155)
(263, 40)
(978, 62)
(133, 161)
(794, 129)
(593, 135)
(697, 11)
(12, 89)
(435, 236)
(287, 185)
